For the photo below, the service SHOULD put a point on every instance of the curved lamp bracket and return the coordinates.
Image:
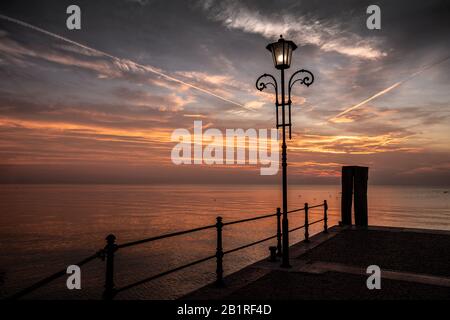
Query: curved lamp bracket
(303, 77)
(261, 84)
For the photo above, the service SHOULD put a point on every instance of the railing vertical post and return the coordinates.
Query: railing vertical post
(306, 223)
(110, 248)
(325, 216)
(219, 253)
(279, 253)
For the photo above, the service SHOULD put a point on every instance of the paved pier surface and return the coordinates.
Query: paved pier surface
(415, 264)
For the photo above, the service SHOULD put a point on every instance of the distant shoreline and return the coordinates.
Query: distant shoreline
(216, 184)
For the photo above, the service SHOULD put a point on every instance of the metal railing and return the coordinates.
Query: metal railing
(109, 251)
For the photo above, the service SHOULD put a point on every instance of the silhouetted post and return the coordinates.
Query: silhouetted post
(360, 195)
(325, 216)
(279, 253)
(306, 223)
(219, 253)
(110, 248)
(282, 54)
(285, 222)
(346, 196)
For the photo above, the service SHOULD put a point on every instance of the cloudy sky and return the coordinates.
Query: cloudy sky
(68, 113)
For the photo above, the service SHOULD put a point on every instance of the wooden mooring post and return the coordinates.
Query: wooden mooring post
(354, 186)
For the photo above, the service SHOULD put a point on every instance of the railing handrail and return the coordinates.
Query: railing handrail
(178, 233)
(163, 236)
(303, 208)
(164, 273)
(53, 277)
(250, 219)
(111, 248)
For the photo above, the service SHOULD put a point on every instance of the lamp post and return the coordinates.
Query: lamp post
(282, 56)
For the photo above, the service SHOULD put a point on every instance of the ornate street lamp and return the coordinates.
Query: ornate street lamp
(282, 56)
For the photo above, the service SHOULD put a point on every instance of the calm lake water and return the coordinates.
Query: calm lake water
(45, 228)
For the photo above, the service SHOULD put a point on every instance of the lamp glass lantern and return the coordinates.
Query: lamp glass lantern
(282, 53)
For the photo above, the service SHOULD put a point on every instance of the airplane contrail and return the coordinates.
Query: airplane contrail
(384, 91)
(102, 53)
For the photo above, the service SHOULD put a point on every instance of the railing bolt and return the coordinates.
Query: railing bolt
(306, 223)
(219, 253)
(110, 248)
(325, 216)
(279, 253)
